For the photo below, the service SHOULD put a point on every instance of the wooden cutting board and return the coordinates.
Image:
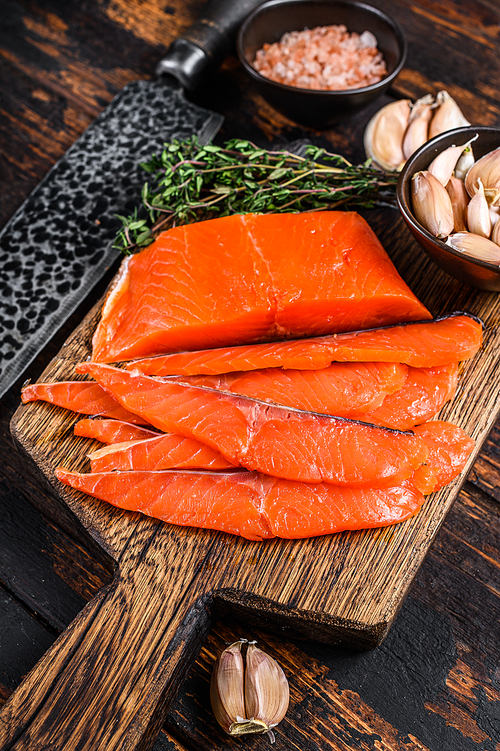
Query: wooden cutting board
(106, 682)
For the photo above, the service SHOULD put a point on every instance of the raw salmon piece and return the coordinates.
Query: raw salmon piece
(342, 389)
(112, 431)
(420, 398)
(165, 451)
(275, 440)
(247, 503)
(254, 277)
(424, 344)
(85, 397)
(449, 449)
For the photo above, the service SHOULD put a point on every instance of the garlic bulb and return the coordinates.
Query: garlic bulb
(383, 139)
(431, 204)
(248, 696)
(447, 115)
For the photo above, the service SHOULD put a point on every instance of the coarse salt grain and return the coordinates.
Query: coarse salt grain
(324, 58)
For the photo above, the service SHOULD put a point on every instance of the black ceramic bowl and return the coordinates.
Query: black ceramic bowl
(469, 270)
(311, 107)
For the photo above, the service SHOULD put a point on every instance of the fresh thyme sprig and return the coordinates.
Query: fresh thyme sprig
(192, 182)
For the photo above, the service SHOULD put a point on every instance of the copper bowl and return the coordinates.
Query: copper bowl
(312, 107)
(464, 268)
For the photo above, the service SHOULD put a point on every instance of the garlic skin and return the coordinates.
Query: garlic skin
(248, 696)
(417, 131)
(459, 202)
(383, 138)
(447, 115)
(431, 204)
(478, 213)
(476, 246)
(486, 169)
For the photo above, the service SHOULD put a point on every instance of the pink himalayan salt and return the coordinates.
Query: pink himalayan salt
(326, 57)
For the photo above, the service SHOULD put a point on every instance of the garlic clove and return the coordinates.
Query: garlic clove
(266, 687)
(248, 695)
(384, 134)
(466, 161)
(459, 201)
(487, 169)
(475, 246)
(478, 214)
(226, 687)
(418, 126)
(444, 164)
(431, 204)
(495, 232)
(446, 116)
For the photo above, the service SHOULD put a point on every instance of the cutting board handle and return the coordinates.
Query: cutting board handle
(204, 45)
(107, 680)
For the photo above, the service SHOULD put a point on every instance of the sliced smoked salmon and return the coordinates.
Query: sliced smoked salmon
(449, 449)
(248, 278)
(112, 431)
(249, 504)
(275, 440)
(425, 344)
(84, 397)
(342, 389)
(419, 399)
(166, 451)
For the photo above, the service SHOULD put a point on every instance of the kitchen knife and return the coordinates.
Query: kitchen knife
(58, 244)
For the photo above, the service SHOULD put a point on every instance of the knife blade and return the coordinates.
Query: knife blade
(58, 244)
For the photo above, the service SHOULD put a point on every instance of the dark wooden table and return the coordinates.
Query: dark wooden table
(434, 683)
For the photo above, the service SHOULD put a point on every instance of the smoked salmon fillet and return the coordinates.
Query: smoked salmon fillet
(342, 389)
(410, 397)
(85, 397)
(112, 431)
(257, 506)
(249, 278)
(166, 451)
(275, 440)
(249, 504)
(423, 344)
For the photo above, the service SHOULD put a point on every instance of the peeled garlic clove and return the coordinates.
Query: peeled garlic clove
(431, 204)
(459, 201)
(384, 134)
(465, 162)
(486, 169)
(226, 688)
(478, 214)
(418, 126)
(446, 116)
(475, 246)
(266, 687)
(444, 164)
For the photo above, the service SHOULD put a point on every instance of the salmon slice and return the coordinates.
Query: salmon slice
(275, 440)
(166, 451)
(248, 278)
(342, 389)
(249, 504)
(112, 431)
(85, 397)
(420, 398)
(424, 344)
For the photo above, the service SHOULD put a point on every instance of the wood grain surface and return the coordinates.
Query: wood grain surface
(433, 682)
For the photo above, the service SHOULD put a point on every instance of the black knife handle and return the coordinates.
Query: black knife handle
(203, 46)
